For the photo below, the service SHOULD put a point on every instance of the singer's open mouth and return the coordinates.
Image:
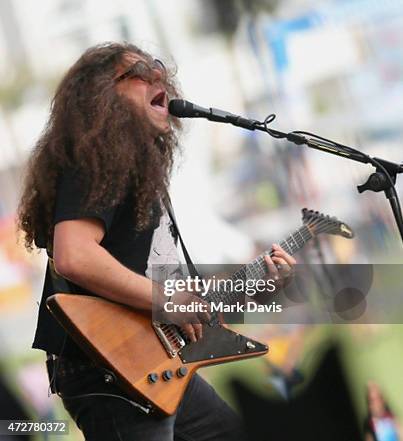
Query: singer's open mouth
(159, 101)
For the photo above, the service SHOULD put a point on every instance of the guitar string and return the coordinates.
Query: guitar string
(321, 225)
(259, 261)
(256, 268)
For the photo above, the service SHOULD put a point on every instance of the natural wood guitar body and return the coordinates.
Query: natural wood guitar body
(125, 341)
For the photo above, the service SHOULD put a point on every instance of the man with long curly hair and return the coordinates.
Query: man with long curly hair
(93, 198)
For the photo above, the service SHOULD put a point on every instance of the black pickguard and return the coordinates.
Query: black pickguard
(219, 342)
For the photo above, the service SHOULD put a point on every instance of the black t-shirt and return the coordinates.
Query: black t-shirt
(136, 250)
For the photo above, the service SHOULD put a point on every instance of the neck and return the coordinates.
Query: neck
(257, 269)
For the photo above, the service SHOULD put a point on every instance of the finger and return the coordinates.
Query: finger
(289, 259)
(271, 267)
(202, 314)
(280, 263)
(273, 271)
(198, 328)
(204, 317)
(284, 269)
(190, 332)
(280, 252)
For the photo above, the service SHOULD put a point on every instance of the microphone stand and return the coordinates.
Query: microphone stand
(383, 179)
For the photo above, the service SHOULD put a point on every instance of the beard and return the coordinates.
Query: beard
(130, 157)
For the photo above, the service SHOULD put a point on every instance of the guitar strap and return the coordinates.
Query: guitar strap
(191, 267)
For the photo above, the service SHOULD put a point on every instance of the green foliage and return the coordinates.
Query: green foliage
(13, 89)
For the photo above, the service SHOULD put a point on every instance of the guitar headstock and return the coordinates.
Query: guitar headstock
(321, 223)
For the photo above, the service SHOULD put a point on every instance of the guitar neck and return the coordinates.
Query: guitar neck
(257, 269)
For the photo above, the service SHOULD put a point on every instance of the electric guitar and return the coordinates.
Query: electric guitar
(154, 360)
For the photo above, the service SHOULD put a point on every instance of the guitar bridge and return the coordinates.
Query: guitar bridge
(170, 338)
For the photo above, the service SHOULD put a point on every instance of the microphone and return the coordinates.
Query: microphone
(186, 109)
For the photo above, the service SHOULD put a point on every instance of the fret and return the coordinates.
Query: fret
(257, 269)
(262, 265)
(240, 274)
(293, 239)
(308, 233)
(251, 270)
(290, 247)
(302, 237)
(297, 240)
(301, 234)
(286, 248)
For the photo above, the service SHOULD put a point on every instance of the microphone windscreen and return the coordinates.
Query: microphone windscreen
(180, 108)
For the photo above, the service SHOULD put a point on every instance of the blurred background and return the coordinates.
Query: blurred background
(333, 67)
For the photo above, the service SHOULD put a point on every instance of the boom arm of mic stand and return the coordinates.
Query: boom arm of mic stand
(385, 169)
(316, 144)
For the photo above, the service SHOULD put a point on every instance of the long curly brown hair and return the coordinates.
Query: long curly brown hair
(96, 131)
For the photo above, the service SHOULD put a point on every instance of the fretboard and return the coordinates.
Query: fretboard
(257, 269)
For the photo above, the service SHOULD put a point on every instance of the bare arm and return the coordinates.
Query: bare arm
(79, 257)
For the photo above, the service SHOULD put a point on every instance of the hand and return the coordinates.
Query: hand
(190, 321)
(280, 265)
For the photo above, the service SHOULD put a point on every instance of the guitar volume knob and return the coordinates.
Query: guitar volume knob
(181, 372)
(167, 375)
(152, 378)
